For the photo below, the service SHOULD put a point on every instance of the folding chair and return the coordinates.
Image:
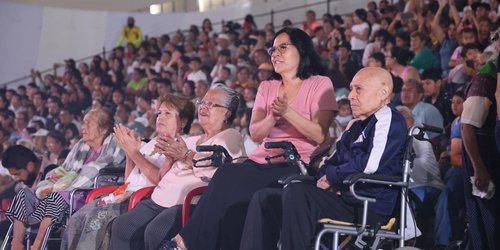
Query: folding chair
(372, 232)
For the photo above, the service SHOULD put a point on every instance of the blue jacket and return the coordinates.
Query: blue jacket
(371, 146)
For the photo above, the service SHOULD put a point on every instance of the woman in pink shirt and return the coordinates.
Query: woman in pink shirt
(298, 106)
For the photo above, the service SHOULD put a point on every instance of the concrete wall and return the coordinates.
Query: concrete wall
(37, 37)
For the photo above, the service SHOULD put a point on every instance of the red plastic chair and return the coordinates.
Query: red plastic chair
(98, 192)
(186, 206)
(139, 195)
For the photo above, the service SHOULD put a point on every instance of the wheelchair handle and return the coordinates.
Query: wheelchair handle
(291, 154)
(217, 149)
(431, 128)
(216, 158)
(423, 127)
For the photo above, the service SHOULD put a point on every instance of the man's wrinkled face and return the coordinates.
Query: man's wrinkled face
(365, 96)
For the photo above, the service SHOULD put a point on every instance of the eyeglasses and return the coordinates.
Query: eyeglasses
(280, 48)
(208, 104)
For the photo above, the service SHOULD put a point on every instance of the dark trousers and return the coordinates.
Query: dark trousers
(297, 208)
(217, 222)
(146, 226)
(483, 215)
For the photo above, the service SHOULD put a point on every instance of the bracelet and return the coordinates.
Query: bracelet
(186, 154)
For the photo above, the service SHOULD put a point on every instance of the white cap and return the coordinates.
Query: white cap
(40, 132)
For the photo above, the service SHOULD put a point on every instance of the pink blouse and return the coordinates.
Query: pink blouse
(315, 94)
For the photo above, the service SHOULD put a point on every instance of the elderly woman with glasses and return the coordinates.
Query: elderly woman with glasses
(97, 149)
(158, 219)
(89, 227)
(297, 107)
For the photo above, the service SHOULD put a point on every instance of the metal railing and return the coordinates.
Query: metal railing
(271, 15)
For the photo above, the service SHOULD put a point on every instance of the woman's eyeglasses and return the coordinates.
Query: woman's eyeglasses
(209, 104)
(280, 48)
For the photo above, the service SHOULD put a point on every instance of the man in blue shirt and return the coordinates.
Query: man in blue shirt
(412, 93)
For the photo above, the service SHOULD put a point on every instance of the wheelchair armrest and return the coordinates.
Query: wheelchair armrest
(98, 192)
(291, 178)
(72, 197)
(139, 195)
(375, 179)
(111, 171)
(186, 205)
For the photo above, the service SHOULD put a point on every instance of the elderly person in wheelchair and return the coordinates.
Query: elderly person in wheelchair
(298, 106)
(49, 202)
(89, 227)
(158, 219)
(372, 144)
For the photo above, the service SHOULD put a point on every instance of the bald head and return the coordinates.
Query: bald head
(371, 90)
(377, 75)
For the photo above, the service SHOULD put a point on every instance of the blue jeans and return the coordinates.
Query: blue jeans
(450, 202)
(427, 199)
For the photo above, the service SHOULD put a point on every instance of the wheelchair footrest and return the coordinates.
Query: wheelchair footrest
(388, 226)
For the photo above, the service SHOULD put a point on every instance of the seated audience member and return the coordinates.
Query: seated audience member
(223, 76)
(137, 82)
(223, 60)
(56, 143)
(435, 94)
(346, 63)
(159, 218)
(344, 115)
(218, 219)
(378, 45)
(45, 205)
(265, 71)
(297, 208)
(376, 60)
(20, 168)
(411, 96)
(24, 165)
(424, 58)
(87, 228)
(310, 24)
(451, 200)
(464, 71)
(397, 62)
(196, 73)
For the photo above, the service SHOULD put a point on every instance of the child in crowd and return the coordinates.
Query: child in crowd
(344, 116)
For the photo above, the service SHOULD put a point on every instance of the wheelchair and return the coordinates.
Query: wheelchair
(106, 176)
(395, 229)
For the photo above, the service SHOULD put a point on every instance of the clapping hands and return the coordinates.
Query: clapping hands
(279, 107)
(126, 139)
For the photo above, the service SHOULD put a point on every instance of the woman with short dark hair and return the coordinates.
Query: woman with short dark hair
(297, 107)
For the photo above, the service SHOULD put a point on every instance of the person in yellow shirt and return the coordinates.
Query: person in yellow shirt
(132, 33)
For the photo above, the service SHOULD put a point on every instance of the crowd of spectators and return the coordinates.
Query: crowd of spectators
(432, 49)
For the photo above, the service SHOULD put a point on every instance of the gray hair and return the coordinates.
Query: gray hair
(405, 109)
(418, 85)
(232, 100)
